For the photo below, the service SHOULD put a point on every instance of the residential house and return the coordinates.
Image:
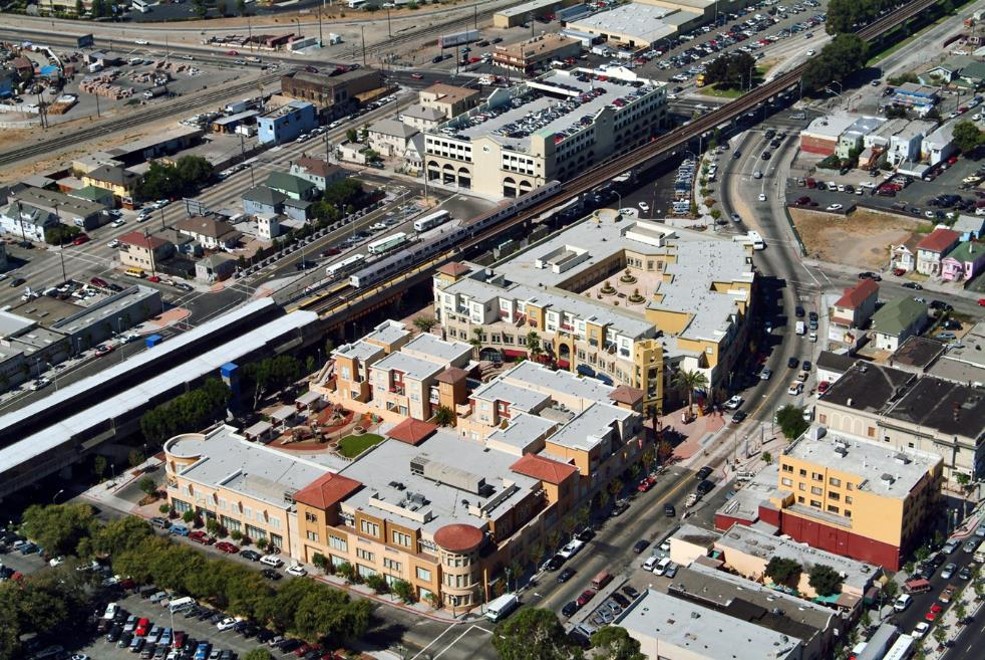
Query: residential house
(389, 137)
(68, 209)
(263, 201)
(851, 140)
(292, 186)
(831, 366)
(144, 251)
(896, 320)
(857, 305)
(210, 233)
(23, 221)
(973, 74)
(414, 155)
(287, 123)
(969, 227)
(933, 248)
(904, 255)
(904, 146)
(938, 146)
(449, 99)
(215, 267)
(317, 171)
(422, 117)
(921, 98)
(115, 178)
(949, 70)
(964, 262)
(99, 196)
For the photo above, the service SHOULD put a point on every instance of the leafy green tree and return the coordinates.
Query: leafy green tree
(120, 534)
(533, 634)
(99, 465)
(378, 584)
(351, 135)
(843, 56)
(783, 571)
(444, 416)
(967, 137)
(424, 322)
(259, 653)
(614, 643)
(403, 590)
(147, 485)
(188, 412)
(60, 234)
(58, 528)
(79, 8)
(135, 457)
(534, 345)
(791, 421)
(767, 457)
(688, 382)
(731, 71)
(188, 516)
(825, 580)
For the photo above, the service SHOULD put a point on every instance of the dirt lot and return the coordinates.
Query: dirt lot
(862, 239)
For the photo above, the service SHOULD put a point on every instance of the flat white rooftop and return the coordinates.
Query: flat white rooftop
(638, 22)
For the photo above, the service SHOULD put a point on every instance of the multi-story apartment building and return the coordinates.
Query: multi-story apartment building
(621, 300)
(901, 411)
(854, 497)
(536, 51)
(243, 485)
(552, 127)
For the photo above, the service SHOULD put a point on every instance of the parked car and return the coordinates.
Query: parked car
(565, 575)
(640, 546)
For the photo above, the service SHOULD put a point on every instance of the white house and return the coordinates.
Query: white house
(23, 221)
(389, 137)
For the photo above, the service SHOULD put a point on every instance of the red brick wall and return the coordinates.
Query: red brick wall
(723, 522)
(840, 541)
(815, 145)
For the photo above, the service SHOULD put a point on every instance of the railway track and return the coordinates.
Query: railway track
(184, 104)
(663, 144)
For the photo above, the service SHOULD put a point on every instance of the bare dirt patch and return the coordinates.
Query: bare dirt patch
(862, 239)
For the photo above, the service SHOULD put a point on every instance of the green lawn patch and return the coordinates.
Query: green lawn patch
(352, 445)
(712, 90)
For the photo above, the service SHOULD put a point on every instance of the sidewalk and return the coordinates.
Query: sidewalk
(928, 284)
(417, 609)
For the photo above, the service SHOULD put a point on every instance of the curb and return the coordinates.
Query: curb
(396, 604)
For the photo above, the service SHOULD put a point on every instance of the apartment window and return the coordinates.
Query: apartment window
(399, 538)
(834, 481)
(364, 554)
(786, 467)
(391, 564)
(800, 499)
(817, 476)
(801, 486)
(423, 574)
(832, 508)
(848, 514)
(336, 543)
(786, 482)
(310, 517)
(815, 504)
(834, 496)
(313, 536)
(822, 418)
(849, 485)
(848, 499)
(871, 432)
(817, 490)
(370, 528)
(803, 472)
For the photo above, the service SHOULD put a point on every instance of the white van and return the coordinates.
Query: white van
(902, 602)
(661, 566)
(271, 560)
(180, 604)
(111, 611)
(650, 562)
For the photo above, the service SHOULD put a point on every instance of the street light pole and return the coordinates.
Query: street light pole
(56, 495)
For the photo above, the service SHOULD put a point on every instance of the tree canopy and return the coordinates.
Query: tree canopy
(186, 412)
(848, 15)
(732, 71)
(183, 179)
(614, 643)
(783, 571)
(46, 603)
(58, 528)
(825, 580)
(791, 421)
(967, 137)
(533, 634)
(843, 56)
(339, 198)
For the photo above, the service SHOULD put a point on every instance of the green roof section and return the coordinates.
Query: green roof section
(288, 183)
(967, 251)
(897, 315)
(92, 193)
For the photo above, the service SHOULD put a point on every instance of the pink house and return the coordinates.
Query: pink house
(963, 262)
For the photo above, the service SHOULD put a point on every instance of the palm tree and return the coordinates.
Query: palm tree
(689, 381)
(476, 341)
(425, 323)
(534, 347)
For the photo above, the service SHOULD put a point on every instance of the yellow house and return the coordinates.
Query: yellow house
(118, 180)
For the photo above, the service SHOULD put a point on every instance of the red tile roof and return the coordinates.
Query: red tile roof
(327, 490)
(459, 537)
(544, 469)
(938, 240)
(858, 294)
(412, 431)
(626, 394)
(138, 239)
(455, 269)
(452, 375)
(318, 167)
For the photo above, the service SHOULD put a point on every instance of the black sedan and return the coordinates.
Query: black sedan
(793, 363)
(640, 546)
(739, 417)
(271, 574)
(570, 609)
(252, 555)
(565, 575)
(912, 285)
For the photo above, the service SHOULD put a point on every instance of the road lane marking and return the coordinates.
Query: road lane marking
(432, 642)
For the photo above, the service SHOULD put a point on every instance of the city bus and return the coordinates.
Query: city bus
(431, 221)
(343, 267)
(384, 245)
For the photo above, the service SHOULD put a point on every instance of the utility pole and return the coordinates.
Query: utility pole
(475, 14)
(362, 39)
(389, 32)
(321, 41)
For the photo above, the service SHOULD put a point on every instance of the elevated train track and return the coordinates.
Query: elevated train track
(353, 303)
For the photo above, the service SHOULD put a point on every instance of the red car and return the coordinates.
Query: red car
(80, 239)
(98, 281)
(143, 627)
(586, 596)
(232, 52)
(104, 349)
(932, 613)
(981, 302)
(227, 547)
(153, 278)
(823, 386)
(899, 272)
(201, 537)
(646, 484)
